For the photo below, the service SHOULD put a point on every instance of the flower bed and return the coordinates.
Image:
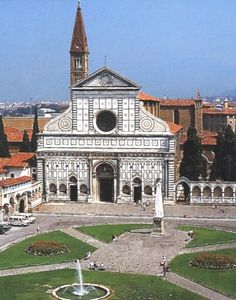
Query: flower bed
(47, 248)
(213, 261)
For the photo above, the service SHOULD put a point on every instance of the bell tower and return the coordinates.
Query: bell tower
(79, 50)
(198, 112)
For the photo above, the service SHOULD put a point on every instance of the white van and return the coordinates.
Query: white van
(18, 221)
(27, 216)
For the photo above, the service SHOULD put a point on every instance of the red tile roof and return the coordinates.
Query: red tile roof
(174, 128)
(208, 133)
(79, 39)
(145, 97)
(22, 123)
(225, 111)
(17, 160)
(3, 171)
(14, 181)
(207, 138)
(15, 134)
(177, 102)
(166, 102)
(207, 104)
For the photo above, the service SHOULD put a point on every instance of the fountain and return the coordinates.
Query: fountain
(159, 211)
(81, 290)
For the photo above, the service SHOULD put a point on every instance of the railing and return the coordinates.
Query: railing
(35, 202)
(212, 200)
(17, 188)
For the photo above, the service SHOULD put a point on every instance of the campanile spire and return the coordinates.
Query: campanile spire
(79, 49)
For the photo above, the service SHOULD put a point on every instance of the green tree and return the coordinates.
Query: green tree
(216, 170)
(191, 165)
(35, 132)
(224, 165)
(233, 173)
(4, 148)
(227, 158)
(25, 145)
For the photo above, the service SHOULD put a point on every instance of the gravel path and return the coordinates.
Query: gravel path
(196, 288)
(83, 237)
(209, 248)
(135, 252)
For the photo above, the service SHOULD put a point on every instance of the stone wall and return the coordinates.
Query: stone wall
(186, 115)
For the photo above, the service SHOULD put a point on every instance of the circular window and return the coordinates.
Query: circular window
(106, 121)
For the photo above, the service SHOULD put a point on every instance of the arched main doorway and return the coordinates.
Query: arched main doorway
(105, 178)
(137, 185)
(73, 188)
(182, 192)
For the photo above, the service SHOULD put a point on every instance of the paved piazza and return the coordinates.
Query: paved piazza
(136, 251)
(51, 216)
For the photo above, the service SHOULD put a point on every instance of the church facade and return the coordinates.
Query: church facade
(106, 147)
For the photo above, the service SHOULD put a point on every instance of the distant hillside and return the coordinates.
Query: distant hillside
(230, 93)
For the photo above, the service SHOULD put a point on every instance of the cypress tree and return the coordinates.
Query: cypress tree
(26, 145)
(191, 165)
(233, 173)
(216, 169)
(35, 132)
(4, 148)
(224, 165)
(227, 158)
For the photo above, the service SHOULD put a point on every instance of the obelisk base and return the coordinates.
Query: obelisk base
(90, 199)
(158, 225)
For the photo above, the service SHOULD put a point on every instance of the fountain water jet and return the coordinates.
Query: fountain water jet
(81, 290)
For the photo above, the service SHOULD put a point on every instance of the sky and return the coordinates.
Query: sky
(169, 47)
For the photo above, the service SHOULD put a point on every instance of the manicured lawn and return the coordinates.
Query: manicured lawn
(206, 236)
(105, 232)
(123, 286)
(220, 280)
(16, 255)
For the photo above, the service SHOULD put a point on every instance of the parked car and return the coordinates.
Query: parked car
(4, 227)
(2, 230)
(18, 221)
(27, 216)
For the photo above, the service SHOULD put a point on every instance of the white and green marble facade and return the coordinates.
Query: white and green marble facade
(137, 150)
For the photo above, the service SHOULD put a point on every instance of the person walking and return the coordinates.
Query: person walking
(165, 269)
(164, 265)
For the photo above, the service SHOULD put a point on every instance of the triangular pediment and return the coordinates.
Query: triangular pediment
(105, 78)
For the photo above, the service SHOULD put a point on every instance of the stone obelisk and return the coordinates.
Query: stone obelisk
(159, 211)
